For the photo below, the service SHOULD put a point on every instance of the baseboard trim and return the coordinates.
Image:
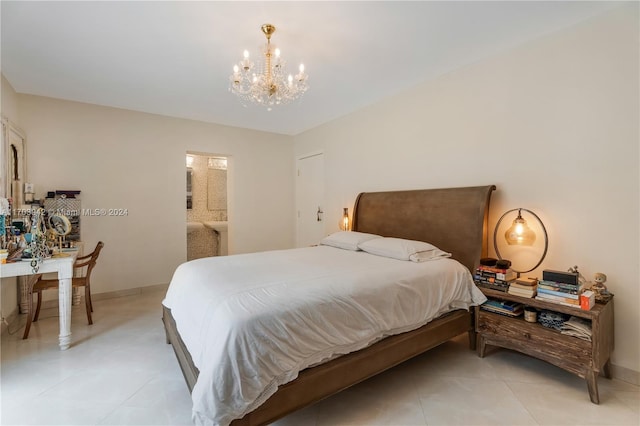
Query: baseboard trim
(53, 303)
(127, 292)
(625, 374)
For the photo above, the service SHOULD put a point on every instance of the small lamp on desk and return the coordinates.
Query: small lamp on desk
(520, 234)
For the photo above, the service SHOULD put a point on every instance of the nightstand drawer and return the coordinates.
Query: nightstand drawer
(533, 339)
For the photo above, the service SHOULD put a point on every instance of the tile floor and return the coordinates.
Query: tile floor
(120, 371)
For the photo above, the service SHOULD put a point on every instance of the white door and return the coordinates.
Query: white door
(310, 200)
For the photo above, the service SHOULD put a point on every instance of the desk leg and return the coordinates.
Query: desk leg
(64, 302)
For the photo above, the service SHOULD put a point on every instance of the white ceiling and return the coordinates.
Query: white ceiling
(175, 57)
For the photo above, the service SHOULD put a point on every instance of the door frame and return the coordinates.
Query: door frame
(230, 193)
(296, 204)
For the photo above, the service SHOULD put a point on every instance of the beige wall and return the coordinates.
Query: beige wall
(135, 161)
(554, 124)
(9, 102)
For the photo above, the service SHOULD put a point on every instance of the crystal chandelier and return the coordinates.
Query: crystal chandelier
(266, 84)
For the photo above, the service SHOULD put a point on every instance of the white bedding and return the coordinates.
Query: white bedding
(251, 322)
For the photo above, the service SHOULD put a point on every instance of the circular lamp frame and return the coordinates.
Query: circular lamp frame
(544, 230)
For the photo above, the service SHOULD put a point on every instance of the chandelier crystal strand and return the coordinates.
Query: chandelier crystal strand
(266, 84)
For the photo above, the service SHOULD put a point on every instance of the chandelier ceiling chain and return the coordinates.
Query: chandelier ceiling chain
(266, 84)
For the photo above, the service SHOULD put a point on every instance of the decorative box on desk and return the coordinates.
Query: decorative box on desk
(581, 357)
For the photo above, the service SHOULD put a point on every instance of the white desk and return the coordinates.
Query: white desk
(63, 266)
(23, 283)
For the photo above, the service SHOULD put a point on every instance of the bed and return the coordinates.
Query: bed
(452, 219)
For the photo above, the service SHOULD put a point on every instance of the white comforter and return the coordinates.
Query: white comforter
(252, 322)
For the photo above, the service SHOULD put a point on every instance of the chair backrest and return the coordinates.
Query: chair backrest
(89, 260)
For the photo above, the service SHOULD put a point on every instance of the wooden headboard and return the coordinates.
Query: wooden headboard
(452, 219)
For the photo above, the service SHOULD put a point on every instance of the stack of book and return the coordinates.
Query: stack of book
(494, 278)
(561, 288)
(503, 307)
(524, 287)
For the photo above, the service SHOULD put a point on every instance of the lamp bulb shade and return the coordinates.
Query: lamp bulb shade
(519, 233)
(344, 222)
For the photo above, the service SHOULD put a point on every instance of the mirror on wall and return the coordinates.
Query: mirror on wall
(217, 183)
(206, 186)
(14, 167)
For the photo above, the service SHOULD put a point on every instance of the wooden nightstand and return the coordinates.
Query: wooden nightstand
(581, 357)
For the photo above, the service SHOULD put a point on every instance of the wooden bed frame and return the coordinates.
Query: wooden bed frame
(453, 219)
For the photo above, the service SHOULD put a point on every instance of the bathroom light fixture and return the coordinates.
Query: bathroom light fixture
(520, 234)
(344, 222)
(267, 83)
(219, 163)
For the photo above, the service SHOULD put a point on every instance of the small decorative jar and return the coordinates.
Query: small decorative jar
(530, 314)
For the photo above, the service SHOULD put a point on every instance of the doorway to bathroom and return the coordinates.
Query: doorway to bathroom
(206, 204)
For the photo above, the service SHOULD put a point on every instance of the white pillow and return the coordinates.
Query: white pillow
(401, 249)
(348, 240)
